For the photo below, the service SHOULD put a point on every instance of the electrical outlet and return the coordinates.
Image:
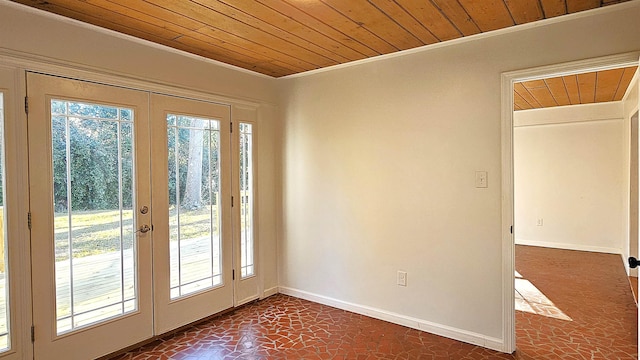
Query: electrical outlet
(402, 278)
(539, 222)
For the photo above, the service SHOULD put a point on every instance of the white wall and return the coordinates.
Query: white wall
(378, 176)
(30, 33)
(570, 175)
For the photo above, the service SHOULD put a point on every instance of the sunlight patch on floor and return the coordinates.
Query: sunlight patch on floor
(530, 299)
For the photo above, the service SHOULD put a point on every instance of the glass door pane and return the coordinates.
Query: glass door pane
(93, 199)
(246, 201)
(194, 199)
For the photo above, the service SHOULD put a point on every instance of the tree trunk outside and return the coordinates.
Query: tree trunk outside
(193, 187)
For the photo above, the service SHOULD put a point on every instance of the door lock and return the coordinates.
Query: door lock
(144, 210)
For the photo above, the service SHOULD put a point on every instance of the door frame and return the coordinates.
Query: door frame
(507, 231)
(16, 153)
(21, 63)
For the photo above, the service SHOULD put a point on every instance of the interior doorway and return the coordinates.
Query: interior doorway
(545, 219)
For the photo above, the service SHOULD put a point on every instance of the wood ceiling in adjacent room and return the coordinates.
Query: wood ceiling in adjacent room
(587, 88)
(283, 37)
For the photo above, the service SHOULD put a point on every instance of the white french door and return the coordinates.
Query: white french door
(191, 164)
(132, 216)
(89, 167)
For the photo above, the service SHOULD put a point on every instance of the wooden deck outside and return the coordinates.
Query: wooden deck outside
(97, 290)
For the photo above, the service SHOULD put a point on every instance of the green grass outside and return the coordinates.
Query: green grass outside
(98, 232)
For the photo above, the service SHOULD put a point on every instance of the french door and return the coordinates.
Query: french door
(91, 245)
(130, 198)
(191, 210)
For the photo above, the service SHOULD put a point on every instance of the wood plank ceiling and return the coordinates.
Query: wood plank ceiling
(587, 88)
(283, 37)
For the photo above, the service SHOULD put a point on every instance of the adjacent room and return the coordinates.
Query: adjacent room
(318, 179)
(574, 150)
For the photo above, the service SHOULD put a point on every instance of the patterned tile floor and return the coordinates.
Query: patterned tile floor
(590, 290)
(593, 292)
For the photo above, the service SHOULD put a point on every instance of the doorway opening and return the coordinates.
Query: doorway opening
(567, 193)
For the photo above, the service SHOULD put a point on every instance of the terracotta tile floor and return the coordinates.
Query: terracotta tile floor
(590, 289)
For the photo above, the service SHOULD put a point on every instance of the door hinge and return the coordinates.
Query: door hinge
(232, 127)
(29, 220)
(33, 334)
(232, 201)
(233, 274)
(26, 105)
(512, 229)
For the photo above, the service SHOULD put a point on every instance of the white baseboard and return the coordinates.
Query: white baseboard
(269, 292)
(567, 246)
(419, 324)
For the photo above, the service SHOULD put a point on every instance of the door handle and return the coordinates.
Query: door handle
(633, 262)
(144, 228)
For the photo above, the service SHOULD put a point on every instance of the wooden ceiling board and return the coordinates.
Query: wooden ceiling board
(524, 11)
(488, 14)
(242, 27)
(519, 103)
(458, 16)
(581, 5)
(526, 95)
(627, 76)
(428, 14)
(371, 18)
(586, 88)
(534, 84)
(553, 8)
(607, 84)
(543, 96)
(283, 37)
(292, 31)
(343, 24)
(228, 37)
(558, 90)
(571, 84)
(404, 19)
(318, 26)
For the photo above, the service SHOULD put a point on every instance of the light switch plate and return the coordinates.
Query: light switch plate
(402, 278)
(482, 179)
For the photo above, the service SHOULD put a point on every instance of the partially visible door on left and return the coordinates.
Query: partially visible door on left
(15, 316)
(90, 204)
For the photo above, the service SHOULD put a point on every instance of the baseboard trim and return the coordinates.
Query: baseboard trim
(269, 292)
(419, 324)
(567, 246)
